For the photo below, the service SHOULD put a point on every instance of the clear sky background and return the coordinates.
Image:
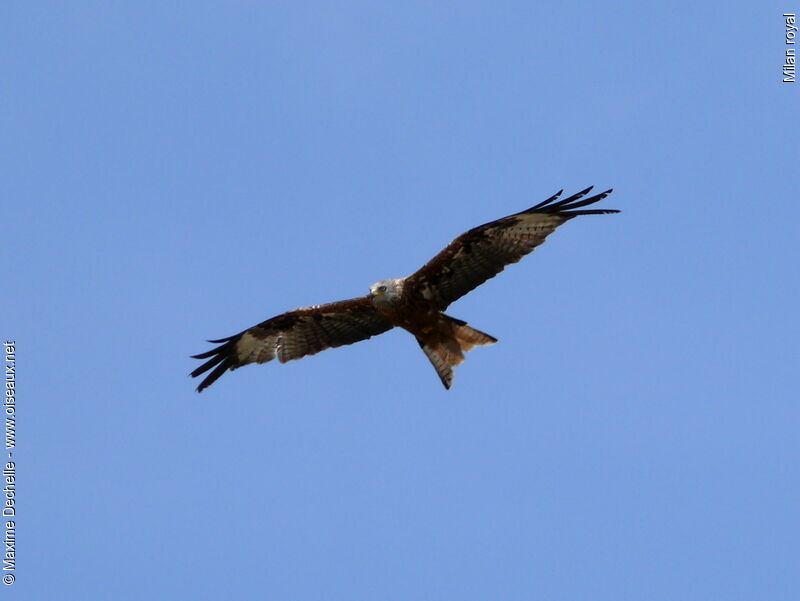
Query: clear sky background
(177, 171)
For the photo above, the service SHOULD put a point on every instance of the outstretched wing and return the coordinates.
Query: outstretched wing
(293, 335)
(483, 252)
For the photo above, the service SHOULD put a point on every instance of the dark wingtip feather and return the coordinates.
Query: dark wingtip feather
(224, 366)
(568, 206)
(549, 200)
(221, 360)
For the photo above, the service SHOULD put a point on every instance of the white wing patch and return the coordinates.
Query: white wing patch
(247, 347)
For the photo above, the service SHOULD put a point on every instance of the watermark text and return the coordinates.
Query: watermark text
(9, 477)
(790, 51)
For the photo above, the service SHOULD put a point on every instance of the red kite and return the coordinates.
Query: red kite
(414, 303)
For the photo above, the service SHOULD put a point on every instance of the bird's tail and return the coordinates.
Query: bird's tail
(468, 337)
(445, 349)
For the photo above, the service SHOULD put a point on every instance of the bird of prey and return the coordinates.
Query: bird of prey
(415, 303)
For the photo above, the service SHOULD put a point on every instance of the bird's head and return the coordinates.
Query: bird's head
(386, 291)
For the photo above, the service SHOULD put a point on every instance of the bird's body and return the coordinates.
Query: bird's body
(415, 303)
(444, 339)
(404, 308)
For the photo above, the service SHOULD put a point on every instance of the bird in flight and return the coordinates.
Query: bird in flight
(415, 303)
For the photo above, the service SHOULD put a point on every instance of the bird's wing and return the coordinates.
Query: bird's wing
(483, 252)
(293, 335)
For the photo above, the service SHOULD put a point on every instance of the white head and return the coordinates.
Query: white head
(387, 291)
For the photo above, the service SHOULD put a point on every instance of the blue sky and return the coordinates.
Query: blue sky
(180, 171)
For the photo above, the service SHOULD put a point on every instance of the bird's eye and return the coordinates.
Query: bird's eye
(381, 288)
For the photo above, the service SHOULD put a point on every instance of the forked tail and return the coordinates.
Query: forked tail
(446, 347)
